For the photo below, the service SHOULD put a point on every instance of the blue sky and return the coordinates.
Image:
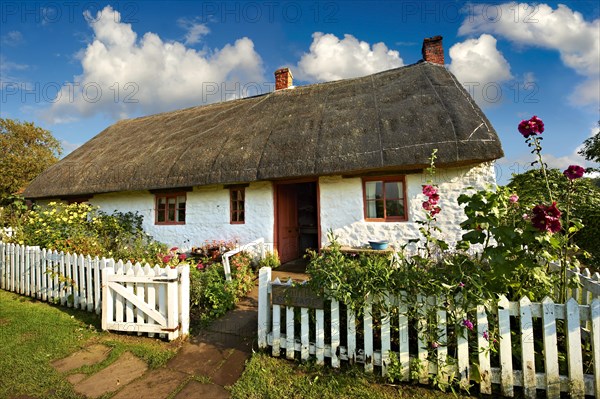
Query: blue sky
(74, 68)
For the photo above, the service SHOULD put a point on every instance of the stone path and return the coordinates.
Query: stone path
(203, 367)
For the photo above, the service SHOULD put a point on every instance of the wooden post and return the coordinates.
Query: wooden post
(550, 349)
(108, 300)
(184, 299)
(264, 306)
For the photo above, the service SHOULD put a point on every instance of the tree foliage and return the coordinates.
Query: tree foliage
(27, 150)
(591, 147)
(586, 203)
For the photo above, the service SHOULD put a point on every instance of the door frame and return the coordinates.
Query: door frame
(278, 183)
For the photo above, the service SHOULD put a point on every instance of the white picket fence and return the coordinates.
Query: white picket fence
(581, 321)
(81, 282)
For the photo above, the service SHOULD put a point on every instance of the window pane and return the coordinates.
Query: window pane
(160, 215)
(375, 209)
(241, 216)
(394, 208)
(181, 202)
(181, 215)
(393, 190)
(374, 190)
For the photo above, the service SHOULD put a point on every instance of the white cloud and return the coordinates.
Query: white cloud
(330, 58)
(539, 25)
(477, 63)
(69, 147)
(195, 30)
(123, 74)
(7, 79)
(13, 38)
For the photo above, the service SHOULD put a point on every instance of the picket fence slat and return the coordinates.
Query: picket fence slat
(404, 355)
(595, 334)
(386, 339)
(574, 356)
(550, 349)
(320, 336)
(276, 330)
(335, 332)
(289, 331)
(506, 365)
(368, 335)
(351, 335)
(442, 348)
(462, 345)
(422, 344)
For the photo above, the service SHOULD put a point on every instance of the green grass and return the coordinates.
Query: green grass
(268, 377)
(33, 334)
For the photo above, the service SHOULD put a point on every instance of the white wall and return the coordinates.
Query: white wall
(342, 208)
(207, 215)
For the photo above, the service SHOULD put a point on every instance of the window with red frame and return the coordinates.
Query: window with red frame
(170, 208)
(385, 199)
(236, 201)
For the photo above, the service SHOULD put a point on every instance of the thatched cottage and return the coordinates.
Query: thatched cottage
(290, 165)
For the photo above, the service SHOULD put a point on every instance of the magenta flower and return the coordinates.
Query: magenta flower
(167, 258)
(513, 199)
(427, 205)
(546, 218)
(531, 127)
(434, 345)
(182, 256)
(200, 266)
(467, 323)
(486, 335)
(461, 284)
(429, 190)
(435, 210)
(574, 172)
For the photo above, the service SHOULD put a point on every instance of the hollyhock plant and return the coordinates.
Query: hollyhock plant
(172, 259)
(513, 199)
(546, 218)
(574, 172)
(468, 323)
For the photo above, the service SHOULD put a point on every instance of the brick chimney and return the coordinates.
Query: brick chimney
(433, 50)
(283, 78)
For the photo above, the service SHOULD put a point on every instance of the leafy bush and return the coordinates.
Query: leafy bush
(83, 229)
(210, 295)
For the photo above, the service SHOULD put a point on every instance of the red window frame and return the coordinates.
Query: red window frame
(384, 180)
(167, 220)
(237, 208)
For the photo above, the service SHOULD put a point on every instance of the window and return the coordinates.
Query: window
(385, 199)
(170, 208)
(236, 201)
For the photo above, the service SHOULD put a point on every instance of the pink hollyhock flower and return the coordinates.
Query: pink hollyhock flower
(429, 190)
(435, 211)
(574, 172)
(467, 323)
(435, 345)
(427, 205)
(546, 218)
(173, 249)
(486, 335)
(182, 256)
(200, 266)
(461, 284)
(167, 258)
(433, 199)
(513, 199)
(531, 127)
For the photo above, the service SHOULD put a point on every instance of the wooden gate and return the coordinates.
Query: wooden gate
(146, 300)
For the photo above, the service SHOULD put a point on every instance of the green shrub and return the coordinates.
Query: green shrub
(210, 295)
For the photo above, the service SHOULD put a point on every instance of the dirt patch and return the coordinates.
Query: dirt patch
(123, 371)
(4, 322)
(85, 357)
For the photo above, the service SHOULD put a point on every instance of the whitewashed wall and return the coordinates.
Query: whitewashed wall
(342, 208)
(207, 215)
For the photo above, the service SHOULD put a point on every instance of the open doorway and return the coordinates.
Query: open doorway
(296, 219)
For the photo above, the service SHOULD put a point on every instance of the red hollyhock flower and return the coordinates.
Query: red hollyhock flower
(167, 258)
(546, 218)
(429, 190)
(574, 172)
(182, 256)
(531, 127)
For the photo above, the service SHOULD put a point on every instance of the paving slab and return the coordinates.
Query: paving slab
(154, 384)
(123, 371)
(199, 359)
(231, 370)
(88, 356)
(76, 378)
(196, 390)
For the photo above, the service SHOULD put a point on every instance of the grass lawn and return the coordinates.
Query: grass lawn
(33, 334)
(268, 377)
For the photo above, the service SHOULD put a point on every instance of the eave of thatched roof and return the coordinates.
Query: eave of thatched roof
(392, 119)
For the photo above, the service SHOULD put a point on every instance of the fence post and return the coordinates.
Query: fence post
(264, 306)
(172, 308)
(107, 301)
(2, 265)
(184, 299)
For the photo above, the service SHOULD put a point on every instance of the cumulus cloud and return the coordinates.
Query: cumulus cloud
(123, 74)
(477, 63)
(330, 58)
(539, 25)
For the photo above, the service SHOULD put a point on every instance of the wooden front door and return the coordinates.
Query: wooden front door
(287, 223)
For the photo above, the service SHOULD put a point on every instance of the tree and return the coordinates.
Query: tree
(586, 202)
(27, 150)
(591, 147)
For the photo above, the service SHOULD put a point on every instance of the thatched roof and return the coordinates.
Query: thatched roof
(389, 120)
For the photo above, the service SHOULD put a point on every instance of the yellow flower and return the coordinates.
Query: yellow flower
(64, 219)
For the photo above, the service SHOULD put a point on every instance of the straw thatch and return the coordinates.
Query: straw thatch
(389, 120)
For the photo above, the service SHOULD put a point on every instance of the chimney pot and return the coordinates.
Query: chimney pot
(283, 78)
(433, 50)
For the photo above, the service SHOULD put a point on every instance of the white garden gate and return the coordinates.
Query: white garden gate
(144, 299)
